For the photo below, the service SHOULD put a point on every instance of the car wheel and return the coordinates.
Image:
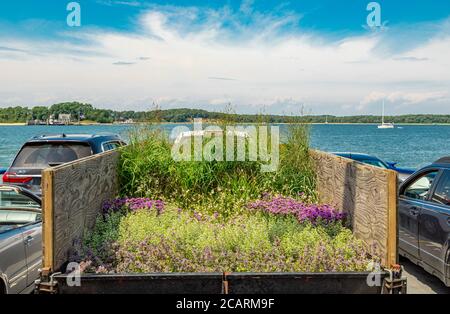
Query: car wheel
(2, 287)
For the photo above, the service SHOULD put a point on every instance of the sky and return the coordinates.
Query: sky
(260, 56)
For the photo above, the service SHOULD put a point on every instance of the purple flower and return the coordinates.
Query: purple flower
(314, 213)
(197, 216)
(132, 204)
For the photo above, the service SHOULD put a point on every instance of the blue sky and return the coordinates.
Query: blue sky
(320, 15)
(270, 56)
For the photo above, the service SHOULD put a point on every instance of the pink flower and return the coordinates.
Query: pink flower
(280, 205)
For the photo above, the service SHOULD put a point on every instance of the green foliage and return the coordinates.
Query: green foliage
(177, 241)
(88, 111)
(40, 113)
(147, 169)
(181, 115)
(14, 114)
(106, 231)
(296, 173)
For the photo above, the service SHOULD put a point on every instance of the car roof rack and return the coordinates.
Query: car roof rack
(443, 160)
(75, 135)
(45, 135)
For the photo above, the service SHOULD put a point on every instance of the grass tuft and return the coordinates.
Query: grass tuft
(147, 169)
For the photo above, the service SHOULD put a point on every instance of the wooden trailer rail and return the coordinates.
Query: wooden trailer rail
(368, 194)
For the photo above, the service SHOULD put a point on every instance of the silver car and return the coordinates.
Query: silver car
(20, 239)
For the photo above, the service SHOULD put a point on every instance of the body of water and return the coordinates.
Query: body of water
(409, 145)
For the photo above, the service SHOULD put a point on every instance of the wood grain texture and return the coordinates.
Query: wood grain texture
(367, 194)
(78, 191)
(392, 241)
(47, 219)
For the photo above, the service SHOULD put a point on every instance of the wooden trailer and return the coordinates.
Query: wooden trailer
(73, 194)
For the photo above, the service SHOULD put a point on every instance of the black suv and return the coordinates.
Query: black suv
(424, 211)
(52, 150)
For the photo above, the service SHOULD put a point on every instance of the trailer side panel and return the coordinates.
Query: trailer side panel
(73, 198)
(368, 194)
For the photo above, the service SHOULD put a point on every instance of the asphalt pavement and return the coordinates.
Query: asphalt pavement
(421, 282)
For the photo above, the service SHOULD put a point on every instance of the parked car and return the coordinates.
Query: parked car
(424, 219)
(20, 239)
(51, 150)
(403, 173)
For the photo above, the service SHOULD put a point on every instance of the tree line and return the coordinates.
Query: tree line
(83, 112)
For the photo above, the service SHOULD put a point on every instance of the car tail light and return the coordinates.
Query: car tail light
(10, 177)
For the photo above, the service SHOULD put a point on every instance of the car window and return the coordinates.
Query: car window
(441, 194)
(11, 199)
(17, 210)
(373, 162)
(41, 155)
(111, 145)
(421, 186)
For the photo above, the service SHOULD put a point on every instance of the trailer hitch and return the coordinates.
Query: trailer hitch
(396, 283)
(47, 284)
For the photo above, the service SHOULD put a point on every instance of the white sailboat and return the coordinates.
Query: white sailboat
(383, 124)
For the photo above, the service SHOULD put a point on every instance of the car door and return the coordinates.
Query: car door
(20, 237)
(32, 236)
(13, 265)
(412, 196)
(434, 225)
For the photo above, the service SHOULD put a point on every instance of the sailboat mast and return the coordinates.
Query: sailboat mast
(383, 124)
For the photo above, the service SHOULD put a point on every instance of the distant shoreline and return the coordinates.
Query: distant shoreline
(213, 122)
(396, 124)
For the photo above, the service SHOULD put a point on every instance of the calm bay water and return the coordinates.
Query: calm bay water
(409, 145)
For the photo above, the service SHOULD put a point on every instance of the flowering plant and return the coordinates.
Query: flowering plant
(132, 204)
(144, 235)
(313, 213)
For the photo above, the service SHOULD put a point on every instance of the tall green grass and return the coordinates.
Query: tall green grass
(296, 173)
(147, 169)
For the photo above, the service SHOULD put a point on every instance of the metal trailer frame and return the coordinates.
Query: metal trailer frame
(389, 282)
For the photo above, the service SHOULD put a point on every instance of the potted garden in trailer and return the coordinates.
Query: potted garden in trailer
(204, 225)
(213, 216)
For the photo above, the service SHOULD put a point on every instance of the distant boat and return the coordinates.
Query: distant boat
(385, 125)
(326, 120)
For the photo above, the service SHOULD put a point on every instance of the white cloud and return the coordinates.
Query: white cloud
(405, 98)
(409, 58)
(118, 2)
(246, 7)
(195, 60)
(123, 63)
